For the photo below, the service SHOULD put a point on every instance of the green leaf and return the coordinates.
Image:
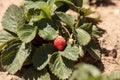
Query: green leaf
(91, 29)
(68, 2)
(94, 51)
(47, 30)
(85, 72)
(68, 19)
(60, 66)
(83, 37)
(2, 46)
(33, 74)
(78, 3)
(114, 75)
(5, 36)
(35, 5)
(12, 18)
(85, 11)
(50, 2)
(42, 56)
(93, 20)
(47, 11)
(42, 15)
(27, 32)
(81, 52)
(87, 27)
(55, 7)
(71, 52)
(52, 76)
(14, 56)
(95, 32)
(52, 6)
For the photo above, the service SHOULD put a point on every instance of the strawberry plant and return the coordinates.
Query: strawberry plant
(40, 41)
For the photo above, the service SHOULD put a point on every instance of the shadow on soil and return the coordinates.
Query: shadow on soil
(102, 3)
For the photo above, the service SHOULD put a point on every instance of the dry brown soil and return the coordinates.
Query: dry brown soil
(110, 41)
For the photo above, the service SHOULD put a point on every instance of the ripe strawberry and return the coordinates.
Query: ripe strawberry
(59, 43)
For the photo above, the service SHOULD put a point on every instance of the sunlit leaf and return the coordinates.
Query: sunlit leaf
(60, 66)
(12, 18)
(68, 19)
(85, 72)
(35, 5)
(71, 52)
(27, 32)
(47, 30)
(83, 37)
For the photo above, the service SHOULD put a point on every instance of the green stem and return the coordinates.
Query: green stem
(66, 30)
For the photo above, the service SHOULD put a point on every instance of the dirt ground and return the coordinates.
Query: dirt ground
(110, 41)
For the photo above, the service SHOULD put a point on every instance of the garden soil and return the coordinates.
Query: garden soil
(109, 42)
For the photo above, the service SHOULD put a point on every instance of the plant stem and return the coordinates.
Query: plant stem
(66, 30)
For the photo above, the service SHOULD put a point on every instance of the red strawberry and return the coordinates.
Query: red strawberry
(59, 43)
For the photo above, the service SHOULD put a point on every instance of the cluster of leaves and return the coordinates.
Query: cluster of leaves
(26, 41)
(89, 72)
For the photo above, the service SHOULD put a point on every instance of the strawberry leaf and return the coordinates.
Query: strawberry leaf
(47, 29)
(87, 27)
(71, 52)
(5, 36)
(85, 72)
(95, 32)
(35, 5)
(14, 56)
(27, 33)
(78, 3)
(42, 56)
(33, 74)
(114, 75)
(12, 18)
(93, 49)
(60, 66)
(68, 2)
(68, 19)
(47, 11)
(95, 53)
(85, 11)
(83, 37)
(81, 51)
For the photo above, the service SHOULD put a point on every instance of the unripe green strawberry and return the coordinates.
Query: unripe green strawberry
(59, 43)
(71, 41)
